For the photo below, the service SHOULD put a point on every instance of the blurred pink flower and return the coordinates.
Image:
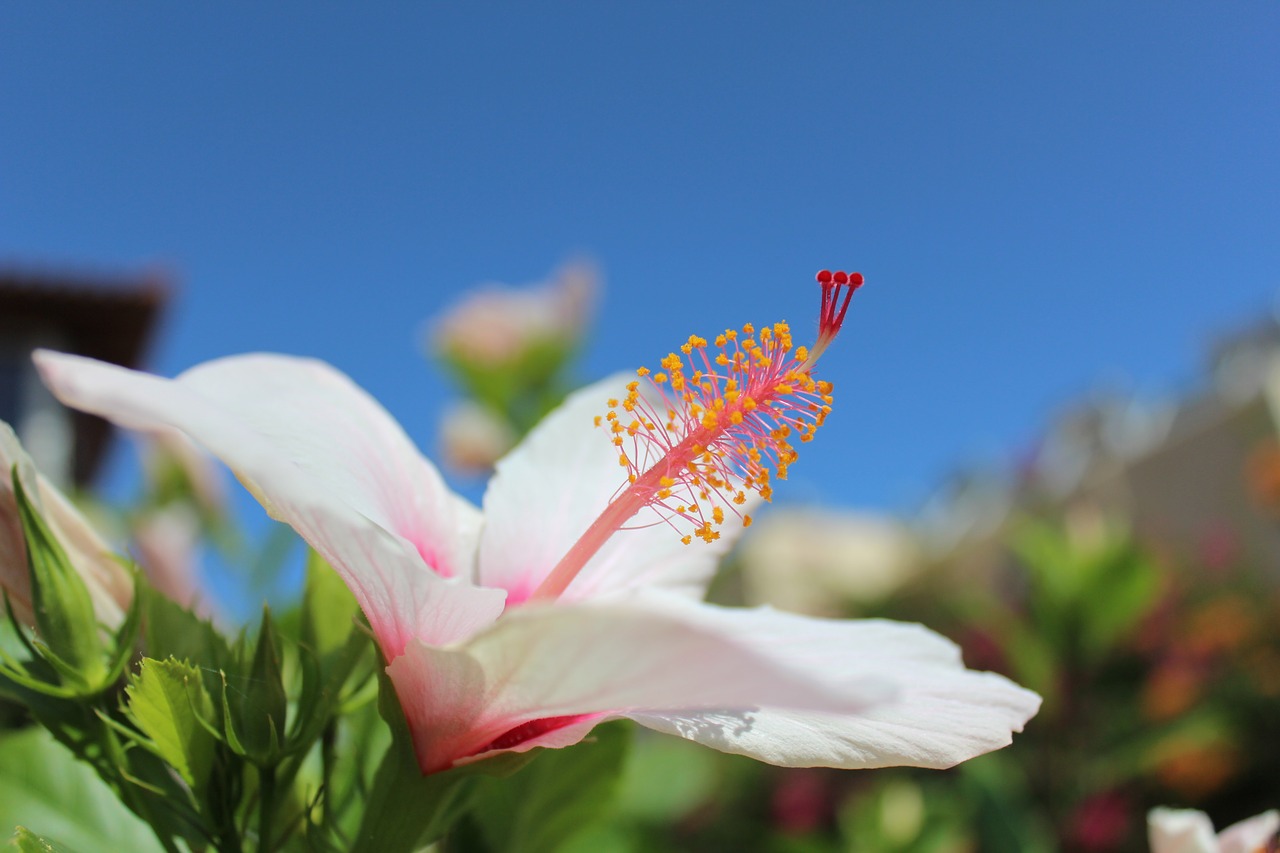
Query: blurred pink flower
(473, 438)
(495, 324)
(1191, 831)
(167, 539)
(1101, 822)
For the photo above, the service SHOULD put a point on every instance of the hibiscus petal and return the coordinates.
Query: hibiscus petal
(577, 664)
(567, 471)
(942, 714)
(323, 456)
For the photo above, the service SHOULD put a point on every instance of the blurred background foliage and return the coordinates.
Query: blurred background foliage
(1127, 570)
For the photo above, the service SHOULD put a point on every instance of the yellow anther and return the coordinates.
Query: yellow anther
(717, 515)
(746, 521)
(597, 420)
(623, 461)
(642, 371)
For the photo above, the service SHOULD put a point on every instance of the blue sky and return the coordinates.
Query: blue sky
(1042, 197)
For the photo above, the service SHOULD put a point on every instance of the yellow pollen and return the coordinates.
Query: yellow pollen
(724, 425)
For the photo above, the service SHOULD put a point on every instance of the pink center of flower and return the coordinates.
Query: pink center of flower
(533, 729)
(716, 422)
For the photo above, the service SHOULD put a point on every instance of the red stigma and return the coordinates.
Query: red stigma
(831, 316)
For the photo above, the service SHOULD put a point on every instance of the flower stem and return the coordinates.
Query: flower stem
(266, 805)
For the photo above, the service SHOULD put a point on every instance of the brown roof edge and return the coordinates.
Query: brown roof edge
(107, 316)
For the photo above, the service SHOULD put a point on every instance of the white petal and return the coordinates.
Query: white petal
(1250, 835)
(564, 660)
(1180, 831)
(942, 714)
(548, 490)
(323, 456)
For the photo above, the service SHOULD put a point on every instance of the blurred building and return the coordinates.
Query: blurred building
(1196, 477)
(106, 317)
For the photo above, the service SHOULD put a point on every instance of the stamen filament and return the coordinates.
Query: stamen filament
(714, 433)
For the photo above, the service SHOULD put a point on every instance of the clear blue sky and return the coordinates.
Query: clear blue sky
(1041, 196)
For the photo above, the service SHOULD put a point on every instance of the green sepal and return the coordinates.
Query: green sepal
(228, 722)
(168, 703)
(127, 636)
(68, 628)
(254, 702)
(20, 674)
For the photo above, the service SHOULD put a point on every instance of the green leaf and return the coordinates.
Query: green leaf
(28, 842)
(64, 615)
(1123, 592)
(43, 785)
(328, 608)
(167, 700)
(170, 630)
(561, 793)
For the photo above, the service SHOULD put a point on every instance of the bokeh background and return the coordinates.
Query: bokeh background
(1055, 431)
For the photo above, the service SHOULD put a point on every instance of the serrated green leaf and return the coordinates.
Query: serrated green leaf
(167, 699)
(42, 785)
